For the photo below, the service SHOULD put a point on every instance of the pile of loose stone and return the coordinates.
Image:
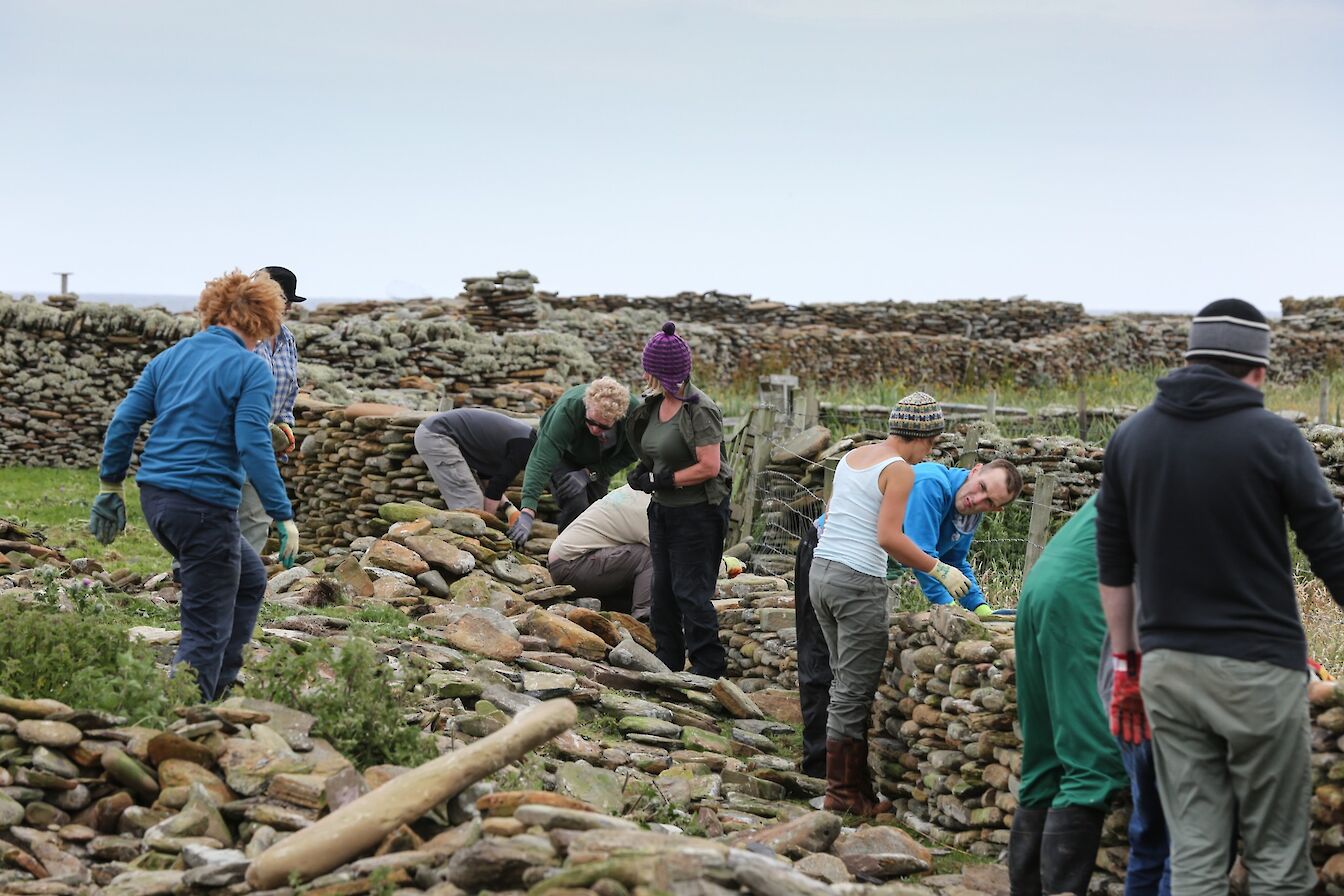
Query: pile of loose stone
(670, 782)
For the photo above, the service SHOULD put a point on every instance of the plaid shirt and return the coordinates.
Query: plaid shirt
(283, 357)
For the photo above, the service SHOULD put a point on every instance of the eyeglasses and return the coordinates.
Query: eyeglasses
(595, 425)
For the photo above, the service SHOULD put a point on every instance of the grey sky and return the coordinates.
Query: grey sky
(1136, 155)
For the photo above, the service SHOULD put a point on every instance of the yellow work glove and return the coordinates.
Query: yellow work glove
(951, 578)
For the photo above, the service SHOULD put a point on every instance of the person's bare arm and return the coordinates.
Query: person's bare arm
(705, 468)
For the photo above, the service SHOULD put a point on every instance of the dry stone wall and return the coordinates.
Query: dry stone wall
(63, 370)
(791, 486)
(66, 364)
(949, 747)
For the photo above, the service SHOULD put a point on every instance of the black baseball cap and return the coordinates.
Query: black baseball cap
(288, 282)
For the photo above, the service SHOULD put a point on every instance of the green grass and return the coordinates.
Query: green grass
(56, 502)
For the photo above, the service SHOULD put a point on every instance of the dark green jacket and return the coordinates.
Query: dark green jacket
(700, 415)
(562, 435)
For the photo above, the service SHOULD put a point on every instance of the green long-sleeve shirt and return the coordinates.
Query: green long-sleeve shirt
(562, 435)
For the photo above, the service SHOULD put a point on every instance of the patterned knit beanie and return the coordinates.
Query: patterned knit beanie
(1229, 330)
(667, 358)
(916, 416)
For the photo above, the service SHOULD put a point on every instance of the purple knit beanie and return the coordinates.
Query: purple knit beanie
(667, 358)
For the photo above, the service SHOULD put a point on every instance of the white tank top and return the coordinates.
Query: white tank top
(849, 535)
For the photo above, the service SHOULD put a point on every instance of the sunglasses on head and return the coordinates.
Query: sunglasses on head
(602, 426)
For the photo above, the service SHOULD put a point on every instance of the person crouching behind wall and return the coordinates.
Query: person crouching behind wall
(210, 399)
(848, 590)
(677, 434)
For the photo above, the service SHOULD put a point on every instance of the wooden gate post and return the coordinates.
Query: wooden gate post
(970, 449)
(1038, 532)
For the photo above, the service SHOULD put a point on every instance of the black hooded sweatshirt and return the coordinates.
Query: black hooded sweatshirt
(1196, 491)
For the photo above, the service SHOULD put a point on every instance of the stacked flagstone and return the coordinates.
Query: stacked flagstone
(756, 626)
(947, 746)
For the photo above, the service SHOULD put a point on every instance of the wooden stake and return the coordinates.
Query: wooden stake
(1038, 532)
(358, 827)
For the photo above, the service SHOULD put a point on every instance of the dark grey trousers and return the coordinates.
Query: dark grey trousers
(621, 577)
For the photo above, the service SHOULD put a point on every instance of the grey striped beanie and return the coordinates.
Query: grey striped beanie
(916, 416)
(1229, 330)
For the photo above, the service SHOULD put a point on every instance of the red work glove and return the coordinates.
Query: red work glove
(1128, 720)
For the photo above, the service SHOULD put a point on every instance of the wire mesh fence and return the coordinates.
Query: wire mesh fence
(785, 487)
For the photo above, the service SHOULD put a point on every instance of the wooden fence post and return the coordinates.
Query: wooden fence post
(807, 412)
(1324, 415)
(992, 406)
(970, 449)
(828, 477)
(1082, 414)
(1038, 532)
(762, 426)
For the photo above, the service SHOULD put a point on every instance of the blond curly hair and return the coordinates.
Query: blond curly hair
(254, 304)
(607, 398)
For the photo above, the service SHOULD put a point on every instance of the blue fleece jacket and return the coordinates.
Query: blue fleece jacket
(931, 521)
(210, 400)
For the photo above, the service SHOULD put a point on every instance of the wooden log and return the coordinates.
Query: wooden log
(360, 826)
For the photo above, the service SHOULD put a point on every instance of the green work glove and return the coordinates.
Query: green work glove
(289, 542)
(107, 519)
(951, 578)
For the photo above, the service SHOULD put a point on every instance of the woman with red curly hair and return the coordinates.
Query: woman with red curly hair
(210, 399)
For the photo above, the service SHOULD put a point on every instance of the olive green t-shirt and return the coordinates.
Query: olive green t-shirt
(664, 444)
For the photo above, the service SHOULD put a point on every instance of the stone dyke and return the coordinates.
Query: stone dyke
(65, 365)
(63, 371)
(948, 745)
(791, 486)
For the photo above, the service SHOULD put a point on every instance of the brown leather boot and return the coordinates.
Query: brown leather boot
(845, 777)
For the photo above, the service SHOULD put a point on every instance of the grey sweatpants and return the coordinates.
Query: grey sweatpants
(851, 609)
(457, 484)
(253, 519)
(615, 575)
(1232, 742)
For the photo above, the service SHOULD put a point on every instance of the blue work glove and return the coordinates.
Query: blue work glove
(289, 542)
(570, 485)
(521, 530)
(107, 519)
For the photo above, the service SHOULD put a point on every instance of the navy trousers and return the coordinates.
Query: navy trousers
(1149, 871)
(687, 547)
(223, 583)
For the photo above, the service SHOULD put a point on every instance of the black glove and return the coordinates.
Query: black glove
(642, 479)
(570, 485)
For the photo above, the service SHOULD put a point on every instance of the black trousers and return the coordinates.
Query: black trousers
(686, 544)
(814, 662)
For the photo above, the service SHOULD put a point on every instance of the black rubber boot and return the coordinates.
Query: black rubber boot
(1069, 844)
(1024, 851)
